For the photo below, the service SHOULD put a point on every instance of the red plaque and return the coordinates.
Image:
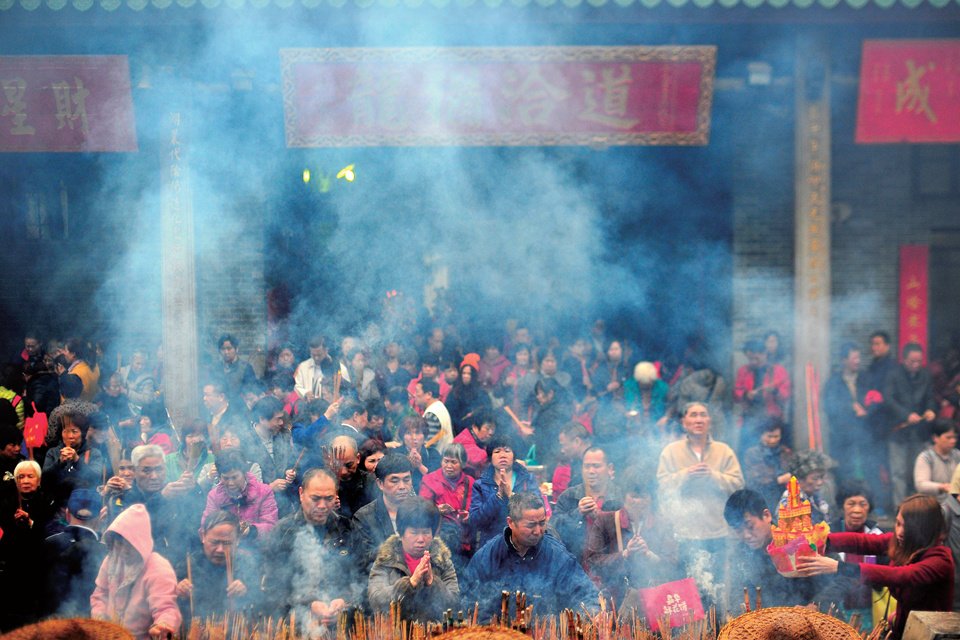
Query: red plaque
(909, 91)
(498, 96)
(66, 103)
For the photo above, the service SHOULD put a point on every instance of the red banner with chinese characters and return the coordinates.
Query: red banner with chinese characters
(914, 260)
(678, 601)
(66, 103)
(909, 91)
(498, 96)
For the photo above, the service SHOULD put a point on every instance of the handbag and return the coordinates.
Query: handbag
(35, 430)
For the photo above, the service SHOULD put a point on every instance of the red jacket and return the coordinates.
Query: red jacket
(477, 458)
(437, 489)
(926, 584)
(776, 383)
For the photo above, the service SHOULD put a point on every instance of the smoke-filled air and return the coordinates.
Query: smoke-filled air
(261, 385)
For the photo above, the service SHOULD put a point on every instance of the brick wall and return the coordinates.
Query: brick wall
(763, 217)
(875, 211)
(230, 280)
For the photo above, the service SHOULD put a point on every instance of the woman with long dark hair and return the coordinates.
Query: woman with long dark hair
(466, 398)
(920, 573)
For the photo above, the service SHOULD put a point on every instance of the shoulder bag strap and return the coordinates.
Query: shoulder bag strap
(616, 520)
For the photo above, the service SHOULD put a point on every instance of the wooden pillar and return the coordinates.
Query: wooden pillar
(812, 227)
(178, 277)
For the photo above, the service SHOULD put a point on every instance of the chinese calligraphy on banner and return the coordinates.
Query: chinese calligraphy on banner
(914, 259)
(498, 96)
(908, 91)
(66, 103)
(677, 602)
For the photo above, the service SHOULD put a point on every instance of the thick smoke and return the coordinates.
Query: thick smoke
(554, 236)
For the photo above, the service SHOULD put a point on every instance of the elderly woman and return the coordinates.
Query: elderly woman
(413, 567)
(854, 499)
(240, 493)
(645, 396)
(136, 585)
(26, 518)
(450, 489)
(811, 468)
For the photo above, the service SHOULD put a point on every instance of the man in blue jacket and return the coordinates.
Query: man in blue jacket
(524, 559)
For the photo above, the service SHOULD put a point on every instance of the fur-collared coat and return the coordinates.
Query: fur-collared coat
(390, 581)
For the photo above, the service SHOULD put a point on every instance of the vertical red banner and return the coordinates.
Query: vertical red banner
(914, 265)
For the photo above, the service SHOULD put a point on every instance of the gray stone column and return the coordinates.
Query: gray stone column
(812, 228)
(178, 278)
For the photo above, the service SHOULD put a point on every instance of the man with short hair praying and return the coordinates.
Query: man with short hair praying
(377, 521)
(311, 556)
(578, 506)
(523, 558)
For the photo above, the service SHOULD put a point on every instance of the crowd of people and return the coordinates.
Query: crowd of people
(435, 472)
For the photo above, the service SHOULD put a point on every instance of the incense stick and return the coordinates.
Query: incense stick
(190, 579)
(296, 465)
(229, 557)
(513, 416)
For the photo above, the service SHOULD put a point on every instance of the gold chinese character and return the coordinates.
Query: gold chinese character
(535, 96)
(913, 322)
(913, 283)
(13, 91)
(613, 91)
(913, 302)
(71, 104)
(912, 94)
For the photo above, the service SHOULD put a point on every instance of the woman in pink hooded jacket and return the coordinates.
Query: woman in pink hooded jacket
(136, 586)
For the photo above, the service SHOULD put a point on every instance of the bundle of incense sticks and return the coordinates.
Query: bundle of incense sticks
(567, 625)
